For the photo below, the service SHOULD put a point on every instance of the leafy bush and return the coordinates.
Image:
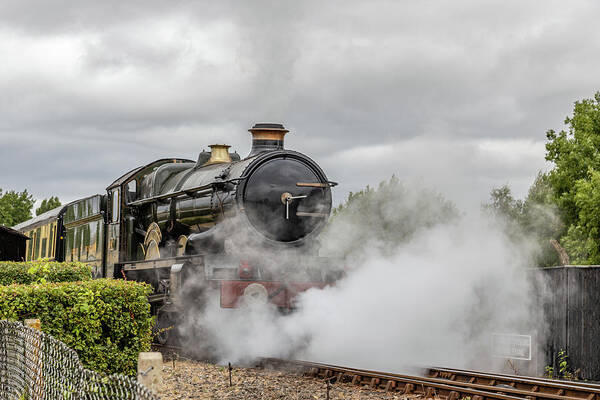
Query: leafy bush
(388, 216)
(108, 322)
(43, 271)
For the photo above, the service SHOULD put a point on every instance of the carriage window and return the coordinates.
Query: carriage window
(36, 251)
(115, 205)
(51, 244)
(30, 245)
(44, 244)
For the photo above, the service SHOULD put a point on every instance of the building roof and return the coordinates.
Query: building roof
(10, 231)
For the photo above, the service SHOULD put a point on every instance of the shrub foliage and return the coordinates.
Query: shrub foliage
(108, 322)
(388, 216)
(43, 271)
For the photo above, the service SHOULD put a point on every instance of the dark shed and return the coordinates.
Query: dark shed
(572, 308)
(12, 244)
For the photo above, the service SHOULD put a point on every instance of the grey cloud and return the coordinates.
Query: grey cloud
(464, 171)
(129, 81)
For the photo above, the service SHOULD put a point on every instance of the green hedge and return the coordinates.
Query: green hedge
(108, 322)
(43, 271)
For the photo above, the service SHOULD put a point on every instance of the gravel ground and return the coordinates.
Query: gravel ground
(199, 380)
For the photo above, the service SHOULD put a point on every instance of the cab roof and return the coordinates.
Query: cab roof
(127, 176)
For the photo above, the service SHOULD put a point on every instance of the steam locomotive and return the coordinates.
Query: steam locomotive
(246, 228)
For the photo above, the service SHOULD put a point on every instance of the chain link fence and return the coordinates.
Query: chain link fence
(35, 366)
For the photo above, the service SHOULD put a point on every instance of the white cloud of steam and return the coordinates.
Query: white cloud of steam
(435, 301)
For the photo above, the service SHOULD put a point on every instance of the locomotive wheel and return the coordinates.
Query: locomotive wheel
(152, 251)
(164, 329)
(152, 233)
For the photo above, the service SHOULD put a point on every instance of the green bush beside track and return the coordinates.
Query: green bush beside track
(108, 322)
(43, 271)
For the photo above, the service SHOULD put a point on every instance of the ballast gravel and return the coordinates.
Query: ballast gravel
(185, 379)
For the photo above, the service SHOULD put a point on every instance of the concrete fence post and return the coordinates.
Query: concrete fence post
(34, 323)
(150, 370)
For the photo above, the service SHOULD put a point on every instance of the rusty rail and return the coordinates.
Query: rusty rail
(440, 387)
(536, 386)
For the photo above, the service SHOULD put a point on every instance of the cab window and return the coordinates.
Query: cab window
(131, 191)
(115, 206)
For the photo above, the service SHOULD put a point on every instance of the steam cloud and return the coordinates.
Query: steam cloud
(433, 300)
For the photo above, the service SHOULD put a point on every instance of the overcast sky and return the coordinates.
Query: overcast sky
(455, 94)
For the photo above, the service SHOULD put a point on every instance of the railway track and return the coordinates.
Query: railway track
(446, 383)
(564, 389)
(440, 383)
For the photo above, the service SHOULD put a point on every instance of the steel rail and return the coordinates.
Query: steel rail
(572, 389)
(390, 382)
(427, 386)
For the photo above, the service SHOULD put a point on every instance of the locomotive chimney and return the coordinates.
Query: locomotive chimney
(219, 153)
(267, 137)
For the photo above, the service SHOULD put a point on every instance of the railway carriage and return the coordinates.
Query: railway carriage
(246, 228)
(42, 233)
(73, 232)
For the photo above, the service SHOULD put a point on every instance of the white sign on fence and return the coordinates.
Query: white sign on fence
(516, 347)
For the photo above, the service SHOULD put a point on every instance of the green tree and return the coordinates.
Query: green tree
(384, 217)
(582, 241)
(15, 207)
(574, 153)
(543, 220)
(535, 220)
(575, 180)
(504, 205)
(506, 210)
(47, 205)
